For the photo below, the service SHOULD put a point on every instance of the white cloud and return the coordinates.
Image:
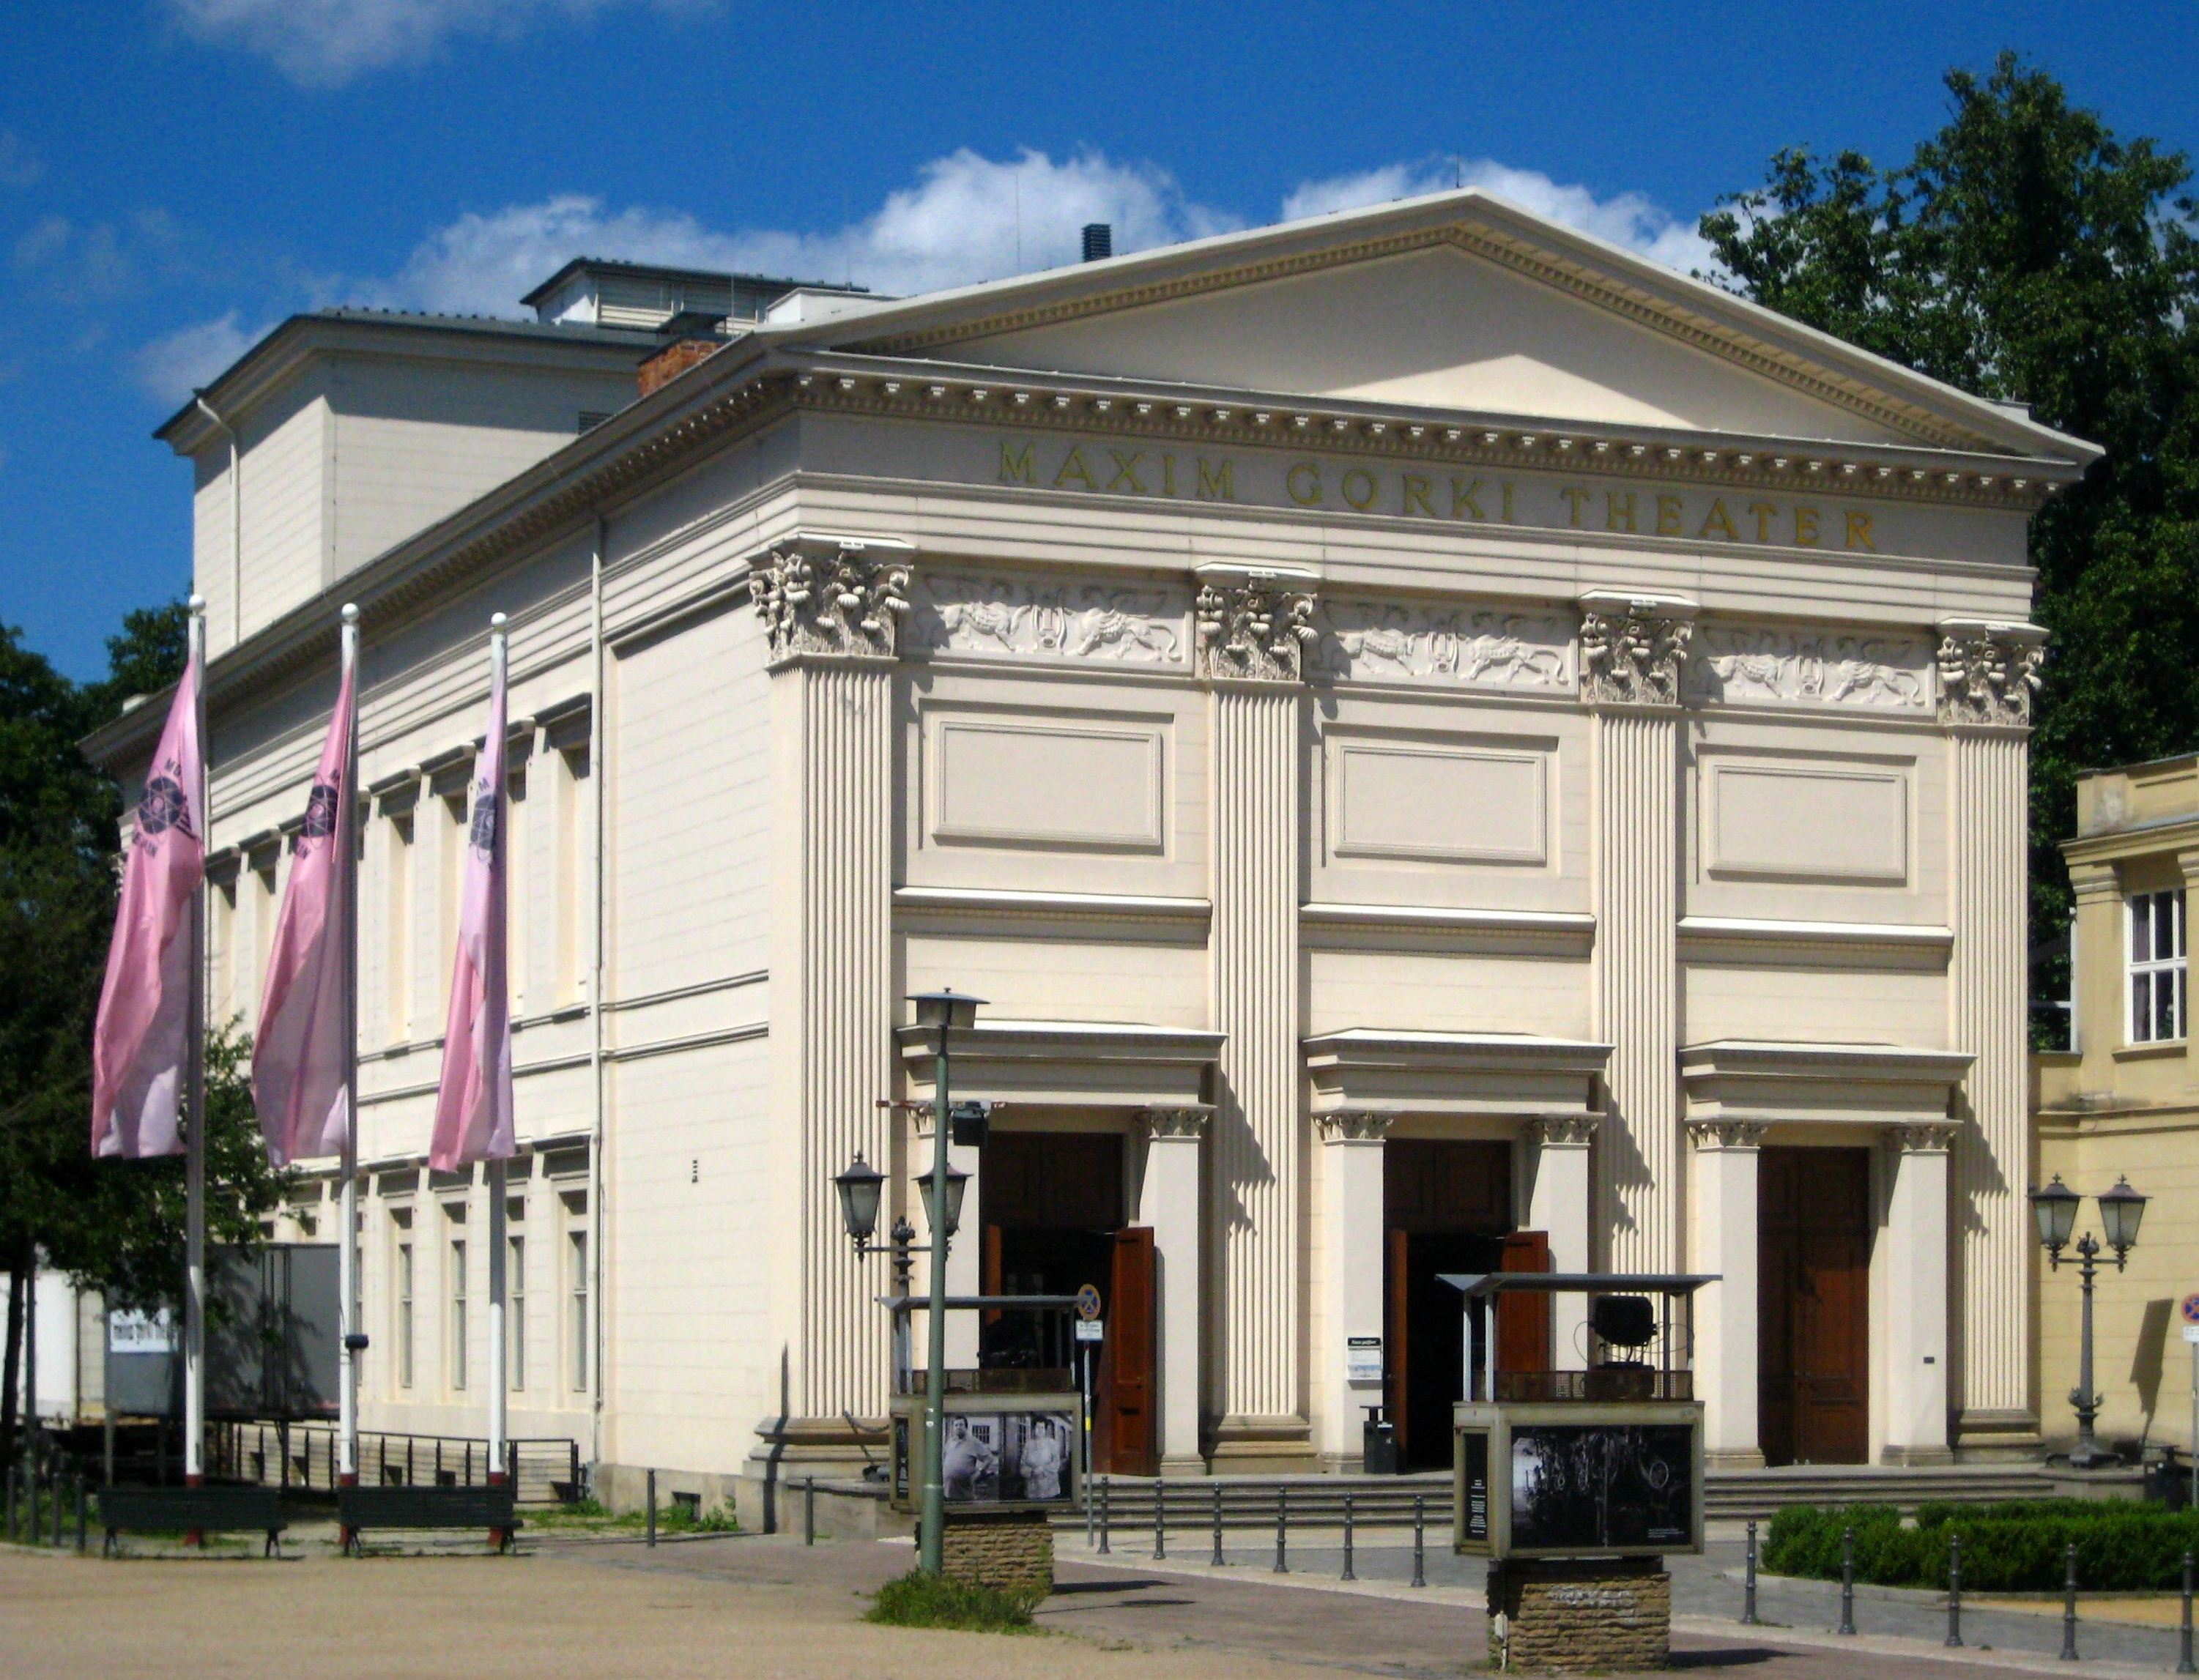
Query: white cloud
(1627, 219)
(966, 218)
(328, 43)
(170, 368)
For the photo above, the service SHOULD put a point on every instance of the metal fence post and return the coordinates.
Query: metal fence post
(1105, 1484)
(809, 1510)
(60, 1512)
(2183, 1665)
(2069, 1602)
(652, 1508)
(1847, 1581)
(1420, 1536)
(81, 1526)
(1282, 1522)
(1954, 1590)
(1348, 1573)
(1160, 1521)
(1218, 1560)
(1749, 1582)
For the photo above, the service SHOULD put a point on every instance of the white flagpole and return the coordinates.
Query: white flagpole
(195, 1137)
(353, 1340)
(498, 1384)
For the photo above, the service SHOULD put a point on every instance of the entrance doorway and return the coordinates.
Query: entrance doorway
(1447, 1207)
(1053, 1208)
(1813, 1305)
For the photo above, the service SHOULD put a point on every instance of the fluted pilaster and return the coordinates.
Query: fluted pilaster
(1257, 1146)
(1988, 991)
(1633, 654)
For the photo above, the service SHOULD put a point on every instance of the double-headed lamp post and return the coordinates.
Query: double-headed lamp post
(942, 1014)
(2120, 1209)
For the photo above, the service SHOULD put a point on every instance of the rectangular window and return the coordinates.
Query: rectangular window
(404, 1293)
(397, 929)
(2156, 967)
(573, 913)
(515, 1313)
(577, 1257)
(458, 1315)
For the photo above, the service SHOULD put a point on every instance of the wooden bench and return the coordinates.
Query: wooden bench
(192, 1510)
(359, 1508)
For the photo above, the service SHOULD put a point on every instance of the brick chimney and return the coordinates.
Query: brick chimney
(675, 359)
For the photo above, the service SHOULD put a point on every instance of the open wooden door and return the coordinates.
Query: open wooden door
(1396, 1339)
(1122, 1435)
(1523, 1321)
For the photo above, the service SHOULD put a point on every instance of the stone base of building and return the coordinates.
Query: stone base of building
(1263, 1446)
(1915, 1458)
(1007, 1550)
(790, 1450)
(624, 1488)
(1733, 1458)
(1568, 1616)
(1998, 1438)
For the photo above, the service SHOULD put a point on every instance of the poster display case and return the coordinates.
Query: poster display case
(1007, 1448)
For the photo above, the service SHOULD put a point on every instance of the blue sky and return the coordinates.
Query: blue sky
(177, 175)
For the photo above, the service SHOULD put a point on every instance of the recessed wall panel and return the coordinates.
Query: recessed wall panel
(1795, 821)
(1074, 783)
(1424, 800)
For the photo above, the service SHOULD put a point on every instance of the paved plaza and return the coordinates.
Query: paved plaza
(770, 1607)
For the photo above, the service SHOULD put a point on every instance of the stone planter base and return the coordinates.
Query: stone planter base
(1004, 1549)
(1567, 1616)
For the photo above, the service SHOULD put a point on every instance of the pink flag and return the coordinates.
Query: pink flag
(302, 1061)
(141, 1045)
(473, 1108)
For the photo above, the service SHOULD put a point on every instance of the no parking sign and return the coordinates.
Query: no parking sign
(2191, 1312)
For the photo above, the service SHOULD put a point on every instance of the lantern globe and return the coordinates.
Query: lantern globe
(957, 1182)
(2055, 1209)
(945, 1010)
(859, 1188)
(2121, 1209)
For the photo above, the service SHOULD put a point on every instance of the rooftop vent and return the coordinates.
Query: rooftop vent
(1098, 242)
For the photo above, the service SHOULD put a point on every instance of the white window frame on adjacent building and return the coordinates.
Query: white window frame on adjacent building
(2155, 965)
(458, 1325)
(514, 1313)
(402, 1295)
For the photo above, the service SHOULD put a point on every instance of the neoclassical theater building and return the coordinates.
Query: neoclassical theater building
(1442, 743)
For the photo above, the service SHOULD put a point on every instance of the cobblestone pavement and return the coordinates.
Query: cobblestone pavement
(763, 1608)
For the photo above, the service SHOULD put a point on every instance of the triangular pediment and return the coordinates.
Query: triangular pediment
(1436, 328)
(1458, 302)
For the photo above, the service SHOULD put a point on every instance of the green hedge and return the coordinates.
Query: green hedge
(2017, 1546)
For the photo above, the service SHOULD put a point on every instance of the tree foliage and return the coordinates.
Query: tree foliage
(2026, 253)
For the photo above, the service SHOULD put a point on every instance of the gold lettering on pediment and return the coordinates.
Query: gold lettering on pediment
(1126, 471)
(1668, 516)
(1574, 496)
(1805, 526)
(1716, 524)
(1073, 468)
(1619, 510)
(1415, 495)
(1858, 533)
(1016, 466)
(1217, 481)
(1359, 488)
(1462, 499)
(1303, 482)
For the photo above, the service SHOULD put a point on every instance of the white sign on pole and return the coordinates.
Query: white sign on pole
(1088, 1329)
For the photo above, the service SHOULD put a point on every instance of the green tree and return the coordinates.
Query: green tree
(2026, 253)
(113, 1226)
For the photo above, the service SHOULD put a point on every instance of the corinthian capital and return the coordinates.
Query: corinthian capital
(837, 596)
(1256, 628)
(1988, 672)
(1353, 1125)
(1634, 649)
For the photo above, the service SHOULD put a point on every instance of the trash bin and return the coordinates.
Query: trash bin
(1377, 1444)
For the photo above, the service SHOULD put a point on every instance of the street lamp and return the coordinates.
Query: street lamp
(941, 1015)
(2121, 1210)
(957, 1181)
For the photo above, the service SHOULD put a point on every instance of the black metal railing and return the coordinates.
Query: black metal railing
(543, 1470)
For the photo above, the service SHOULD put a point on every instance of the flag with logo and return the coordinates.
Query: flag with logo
(141, 1047)
(474, 1108)
(301, 1059)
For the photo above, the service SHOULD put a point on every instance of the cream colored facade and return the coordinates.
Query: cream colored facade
(1416, 675)
(2123, 1102)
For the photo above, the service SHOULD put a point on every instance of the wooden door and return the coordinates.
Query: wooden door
(1397, 1341)
(1523, 1321)
(1813, 1305)
(1122, 1431)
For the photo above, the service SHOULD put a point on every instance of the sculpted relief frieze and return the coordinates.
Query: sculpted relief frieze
(1392, 641)
(1126, 624)
(1741, 665)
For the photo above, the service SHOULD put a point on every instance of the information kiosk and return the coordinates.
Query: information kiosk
(1576, 1482)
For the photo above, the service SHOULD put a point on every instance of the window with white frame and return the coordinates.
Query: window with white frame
(2156, 967)
(576, 1286)
(403, 1294)
(515, 1313)
(458, 1321)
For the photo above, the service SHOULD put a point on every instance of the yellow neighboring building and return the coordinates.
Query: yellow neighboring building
(2124, 1100)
